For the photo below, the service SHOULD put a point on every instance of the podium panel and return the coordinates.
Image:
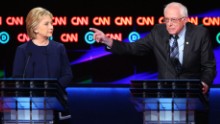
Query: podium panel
(169, 101)
(26, 101)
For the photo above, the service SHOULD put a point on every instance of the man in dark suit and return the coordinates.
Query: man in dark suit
(194, 58)
(195, 50)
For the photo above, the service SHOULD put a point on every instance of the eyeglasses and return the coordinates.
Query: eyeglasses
(174, 20)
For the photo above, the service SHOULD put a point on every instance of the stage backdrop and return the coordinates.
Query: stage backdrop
(124, 21)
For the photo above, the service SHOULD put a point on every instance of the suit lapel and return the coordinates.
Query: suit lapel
(187, 44)
(167, 46)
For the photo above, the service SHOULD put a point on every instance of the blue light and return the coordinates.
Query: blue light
(217, 58)
(89, 38)
(139, 76)
(212, 13)
(218, 38)
(133, 36)
(92, 54)
(96, 92)
(4, 37)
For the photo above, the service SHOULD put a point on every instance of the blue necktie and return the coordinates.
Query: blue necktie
(174, 50)
(174, 54)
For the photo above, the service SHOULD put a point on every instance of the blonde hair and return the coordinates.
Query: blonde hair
(183, 9)
(33, 19)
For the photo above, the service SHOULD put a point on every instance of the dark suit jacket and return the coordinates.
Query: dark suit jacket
(50, 61)
(198, 57)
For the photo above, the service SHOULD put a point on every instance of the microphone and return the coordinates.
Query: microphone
(25, 67)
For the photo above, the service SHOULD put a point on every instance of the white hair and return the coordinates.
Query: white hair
(183, 9)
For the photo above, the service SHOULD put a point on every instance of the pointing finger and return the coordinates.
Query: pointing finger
(94, 29)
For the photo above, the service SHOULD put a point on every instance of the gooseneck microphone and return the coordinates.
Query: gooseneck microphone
(26, 64)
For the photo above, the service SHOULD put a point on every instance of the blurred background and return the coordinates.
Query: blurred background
(91, 101)
(125, 21)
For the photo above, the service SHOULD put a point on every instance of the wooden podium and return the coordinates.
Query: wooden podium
(168, 101)
(30, 101)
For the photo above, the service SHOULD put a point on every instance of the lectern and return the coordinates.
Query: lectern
(169, 101)
(30, 101)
